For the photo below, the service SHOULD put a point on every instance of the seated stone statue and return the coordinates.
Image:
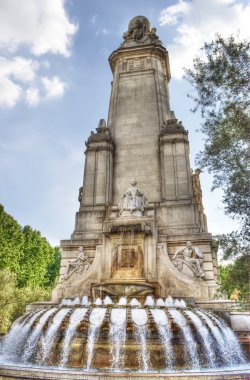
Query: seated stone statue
(133, 201)
(80, 265)
(189, 260)
(140, 31)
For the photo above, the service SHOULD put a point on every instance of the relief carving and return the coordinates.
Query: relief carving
(189, 260)
(78, 266)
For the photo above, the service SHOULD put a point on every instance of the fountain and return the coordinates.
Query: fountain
(102, 335)
(135, 296)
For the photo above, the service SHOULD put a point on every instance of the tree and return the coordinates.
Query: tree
(36, 258)
(53, 269)
(26, 253)
(11, 241)
(29, 267)
(234, 279)
(13, 300)
(220, 79)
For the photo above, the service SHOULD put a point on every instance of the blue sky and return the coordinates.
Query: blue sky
(55, 86)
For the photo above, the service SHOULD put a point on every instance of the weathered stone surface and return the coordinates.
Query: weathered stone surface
(143, 141)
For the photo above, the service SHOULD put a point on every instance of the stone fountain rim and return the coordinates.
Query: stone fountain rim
(22, 372)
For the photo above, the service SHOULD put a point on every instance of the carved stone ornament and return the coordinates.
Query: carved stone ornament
(78, 266)
(133, 201)
(189, 260)
(140, 31)
(80, 194)
(197, 192)
(127, 262)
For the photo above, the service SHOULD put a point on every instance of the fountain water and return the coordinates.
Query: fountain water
(117, 332)
(30, 346)
(48, 338)
(19, 332)
(191, 349)
(166, 335)
(75, 319)
(96, 318)
(162, 337)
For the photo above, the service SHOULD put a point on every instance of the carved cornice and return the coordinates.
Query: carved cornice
(163, 141)
(140, 52)
(99, 148)
(172, 131)
(101, 140)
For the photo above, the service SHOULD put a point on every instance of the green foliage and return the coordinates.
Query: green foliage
(7, 299)
(26, 253)
(221, 83)
(53, 269)
(13, 300)
(11, 242)
(37, 257)
(234, 279)
(29, 267)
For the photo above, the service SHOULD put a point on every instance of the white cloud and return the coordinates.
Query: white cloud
(198, 21)
(32, 96)
(19, 79)
(54, 87)
(93, 19)
(10, 93)
(18, 68)
(40, 27)
(170, 15)
(103, 31)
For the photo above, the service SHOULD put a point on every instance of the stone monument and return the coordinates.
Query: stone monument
(141, 221)
(140, 237)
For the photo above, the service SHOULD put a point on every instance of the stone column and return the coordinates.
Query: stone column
(97, 189)
(138, 106)
(96, 193)
(175, 167)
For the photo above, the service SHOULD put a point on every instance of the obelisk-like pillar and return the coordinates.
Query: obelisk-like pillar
(139, 105)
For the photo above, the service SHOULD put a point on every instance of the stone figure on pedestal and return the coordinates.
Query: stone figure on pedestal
(133, 201)
(189, 260)
(197, 194)
(80, 265)
(140, 31)
(80, 194)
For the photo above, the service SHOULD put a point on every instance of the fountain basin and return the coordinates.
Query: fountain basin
(14, 372)
(122, 337)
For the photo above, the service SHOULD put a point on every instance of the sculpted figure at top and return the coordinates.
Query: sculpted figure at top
(133, 201)
(189, 259)
(139, 30)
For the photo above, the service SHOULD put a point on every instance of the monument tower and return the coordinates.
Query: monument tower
(141, 227)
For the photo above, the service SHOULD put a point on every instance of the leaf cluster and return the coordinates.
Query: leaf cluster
(220, 78)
